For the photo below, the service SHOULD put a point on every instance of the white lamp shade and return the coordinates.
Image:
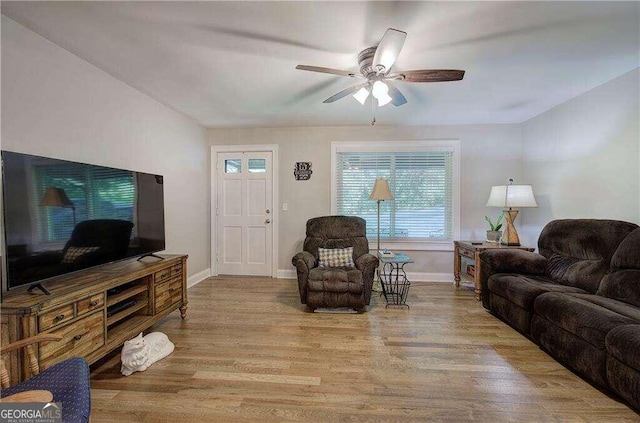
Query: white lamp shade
(381, 190)
(362, 95)
(383, 100)
(379, 89)
(512, 196)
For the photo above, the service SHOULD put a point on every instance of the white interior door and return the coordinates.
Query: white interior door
(244, 210)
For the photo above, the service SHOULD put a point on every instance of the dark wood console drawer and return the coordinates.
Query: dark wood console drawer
(78, 339)
(55, 317)
(168, 293)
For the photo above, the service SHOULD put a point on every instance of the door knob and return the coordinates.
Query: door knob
(268, 211)
(267, 221)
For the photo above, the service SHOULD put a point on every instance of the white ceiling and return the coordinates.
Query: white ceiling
(232, 64)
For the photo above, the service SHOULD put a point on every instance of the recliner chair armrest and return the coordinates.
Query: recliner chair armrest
(303, 261)
(304, 258)
(508, 261)
(366, 260)
(367, 264)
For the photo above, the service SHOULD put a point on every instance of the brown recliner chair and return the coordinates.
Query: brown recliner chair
(335, 286)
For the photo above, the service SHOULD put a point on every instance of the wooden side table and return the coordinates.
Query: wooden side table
(471, 250)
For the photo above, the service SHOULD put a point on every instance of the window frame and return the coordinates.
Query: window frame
(404, 146)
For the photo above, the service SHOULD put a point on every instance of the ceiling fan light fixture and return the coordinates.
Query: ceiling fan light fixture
(380, 91)
(384, 100)
(362, 95)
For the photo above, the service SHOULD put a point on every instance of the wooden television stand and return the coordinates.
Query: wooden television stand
(94, 310)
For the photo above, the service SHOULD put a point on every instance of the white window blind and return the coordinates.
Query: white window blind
(422, 185)
(96, 193)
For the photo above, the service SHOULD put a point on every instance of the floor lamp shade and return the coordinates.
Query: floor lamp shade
(57, 197)
(381, 190)
(508, 197)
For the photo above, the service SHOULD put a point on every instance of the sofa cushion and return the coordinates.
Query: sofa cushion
(579, 251)
(522, 290)
(623, 281)
(620, 307)
(623, 343)
(589, 317)
(336, 279)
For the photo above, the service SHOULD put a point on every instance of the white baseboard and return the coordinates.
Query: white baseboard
(430, 277)
(412, 276)
(287, 274)
(198, 277)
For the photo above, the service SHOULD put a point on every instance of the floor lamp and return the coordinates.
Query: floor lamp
(381, 192)
(57, 197)
(508, 197)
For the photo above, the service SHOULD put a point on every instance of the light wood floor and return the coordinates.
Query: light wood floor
(248, 352)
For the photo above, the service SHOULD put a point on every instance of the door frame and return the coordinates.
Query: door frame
(273, 148)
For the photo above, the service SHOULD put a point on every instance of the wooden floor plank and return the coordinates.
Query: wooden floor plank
(250, 352)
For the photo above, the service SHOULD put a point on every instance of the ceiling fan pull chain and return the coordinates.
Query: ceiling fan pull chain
(373, 111)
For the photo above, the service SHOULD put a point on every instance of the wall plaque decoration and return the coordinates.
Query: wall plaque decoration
(303, 171)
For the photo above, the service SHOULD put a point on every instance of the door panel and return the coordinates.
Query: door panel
(256, 237)
(244, 213)
(232, 251)
(257, 197)
(232, 197)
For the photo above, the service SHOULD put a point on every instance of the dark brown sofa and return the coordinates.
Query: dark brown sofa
(579, 298)
(335, 286)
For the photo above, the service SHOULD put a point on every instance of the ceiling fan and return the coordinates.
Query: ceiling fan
(375, 69)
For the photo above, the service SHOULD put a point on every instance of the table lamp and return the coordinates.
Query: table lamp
(508, 197)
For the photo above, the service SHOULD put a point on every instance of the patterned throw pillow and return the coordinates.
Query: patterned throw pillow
(335, 257)
(73, 253)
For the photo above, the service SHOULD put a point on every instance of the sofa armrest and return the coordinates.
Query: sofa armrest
(303, 261)
(508, 261)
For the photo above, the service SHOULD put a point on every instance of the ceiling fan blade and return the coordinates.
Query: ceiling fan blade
(352, 89)
(388, 50)
(397, 99)
(428, 75)
(327, 70)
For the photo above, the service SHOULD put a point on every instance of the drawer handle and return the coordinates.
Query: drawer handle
(77, 337)
(93, 303)
(59, 317)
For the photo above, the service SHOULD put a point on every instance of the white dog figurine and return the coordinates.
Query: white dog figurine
(141, 352)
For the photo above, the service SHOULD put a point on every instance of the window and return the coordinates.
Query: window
(96, 193)
(422, 177)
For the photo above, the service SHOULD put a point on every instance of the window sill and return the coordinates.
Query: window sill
(412, 245)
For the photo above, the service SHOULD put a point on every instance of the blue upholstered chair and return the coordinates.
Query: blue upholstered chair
(68, 381)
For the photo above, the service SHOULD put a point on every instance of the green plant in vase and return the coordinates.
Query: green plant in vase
(494, 234)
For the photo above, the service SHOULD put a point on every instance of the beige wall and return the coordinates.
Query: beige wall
(55, 104)
(583, 157)
(489, 154)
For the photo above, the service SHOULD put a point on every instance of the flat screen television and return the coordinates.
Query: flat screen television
(62, 217)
